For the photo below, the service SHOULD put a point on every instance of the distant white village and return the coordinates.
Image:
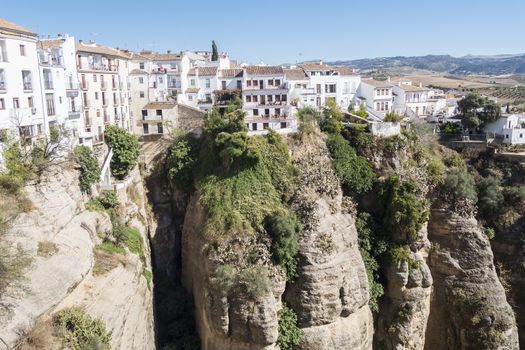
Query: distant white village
(85, 86)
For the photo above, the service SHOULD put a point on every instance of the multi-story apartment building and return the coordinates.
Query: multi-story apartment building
(335, 83)
(21, 103)
(377, 96)
(103, 76)
(265, 98)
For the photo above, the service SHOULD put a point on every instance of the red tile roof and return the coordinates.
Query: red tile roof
(264, 70)
(6, 25)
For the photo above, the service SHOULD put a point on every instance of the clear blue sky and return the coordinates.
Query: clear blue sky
(279, 31)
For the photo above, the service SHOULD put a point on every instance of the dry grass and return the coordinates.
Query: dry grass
(39, 337)
(46, 249)
(105, 262)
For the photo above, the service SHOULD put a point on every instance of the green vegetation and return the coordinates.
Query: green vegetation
(308, 118)
(401, 253)
(459, 189)
(111, 248)
(360, 113)
(393, 117)
(403, 212)
(355, 172)
(289, 332)
(125, 150)
(182, 161)
(89, 168)
(78, 331)
(214, 51)
(371, 246)
(284, 231)
(490, 196)
(332, 116)
(450, 128)
(252, 279)
(46, 249)
(477, 111)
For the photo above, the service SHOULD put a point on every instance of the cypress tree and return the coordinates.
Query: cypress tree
(214, 51)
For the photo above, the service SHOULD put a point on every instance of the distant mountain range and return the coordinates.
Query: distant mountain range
(490, 65)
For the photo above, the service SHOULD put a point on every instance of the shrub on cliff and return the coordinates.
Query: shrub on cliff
(182, 161)
(79, 331)
(459, 190)
(289, 333)
(125, 150)
(355, 172)
(284, 231)
(89, 168)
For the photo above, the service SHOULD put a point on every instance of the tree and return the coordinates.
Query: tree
(125, 150)
(477, 111)
(331, 118)
(89, 168)
(214, 51)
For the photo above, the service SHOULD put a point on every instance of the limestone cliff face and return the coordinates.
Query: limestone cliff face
(234, 321)
(468, 307)
(330, 295)
(404, 313)
(121, 298)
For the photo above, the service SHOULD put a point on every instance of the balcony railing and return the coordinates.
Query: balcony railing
(283, 86)
(28, 87)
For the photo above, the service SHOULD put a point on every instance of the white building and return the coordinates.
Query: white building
(103, 76)
(21, 103)
(510, 127)
(265, 99)
(377, 96)
(301, 93)
(336, 83)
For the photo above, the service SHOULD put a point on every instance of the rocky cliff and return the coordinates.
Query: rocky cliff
(59, 236)
(468, 307)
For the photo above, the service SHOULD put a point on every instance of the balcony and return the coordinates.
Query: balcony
(84, 86)
(28, 87)
(70, 85)
(74, 113)
(283, 86)
(103, 85)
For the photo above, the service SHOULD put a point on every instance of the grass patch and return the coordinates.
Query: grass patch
(46, 249)
(110, 247)
(148, 275)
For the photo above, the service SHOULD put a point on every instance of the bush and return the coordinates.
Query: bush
(289, 332)
(450, 128)
(182, 161)
(393, 117)
(10, 184)
(89, 168)
(489, 233)
(125, 150)
(401, 253)
(403, 212)
(331, 121)
(109, 200)
(490, 196)
(459, 189)
(284, 231)
(78, 331)
(355, 172)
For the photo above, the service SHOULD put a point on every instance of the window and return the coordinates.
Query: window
(16, 103)
(141, 94)
(266, 126)
(208, 97)
(255, 83)
(318, 88)
(141, 65)
(223, 84)
(190, 97)
(278, 112)
(267, 112)
(255, 112)
(208, 83)
(161, 80)
(95, 78)
(192, 82)
(98, 113)
(277, 82)
(269, 98)
(159, 112)
(254, 126)
(284, 125)
(239, 84)
(249, 83)
(85, 100)
(3, 84)
(22, 50)
(330, 88)
(144, 114)
(160, 128)
(141, 80)
(50, 104)
(270, 82)
(96, 95)
(248, 99)
(255, 98)
(284, 98)
(145, 128)
(48, 79)
(30, 102)
(27, 80)
(2, 103)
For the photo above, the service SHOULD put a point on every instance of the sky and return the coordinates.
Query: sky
(285, 31)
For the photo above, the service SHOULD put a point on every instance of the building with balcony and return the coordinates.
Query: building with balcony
(103, 74)
(265, 99)
(21, 103)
